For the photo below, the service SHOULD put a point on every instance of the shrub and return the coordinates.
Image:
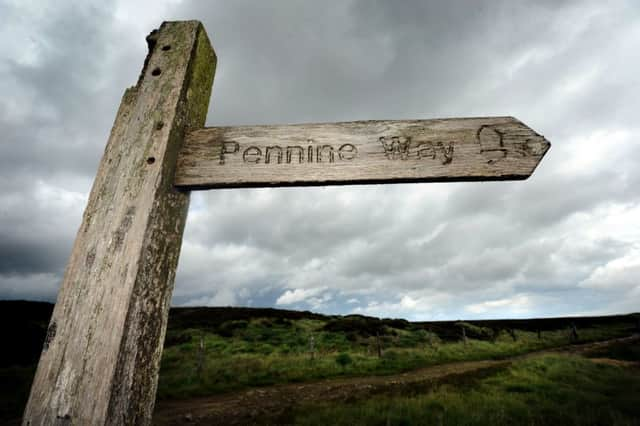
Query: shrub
(390, 356)
(343, 359)
(360, 325)
(227, 328)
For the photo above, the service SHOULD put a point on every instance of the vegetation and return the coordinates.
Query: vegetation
(620, 351)
(248, 352)
(550, 390)
(216, 350)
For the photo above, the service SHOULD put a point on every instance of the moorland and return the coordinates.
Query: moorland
(271, 366)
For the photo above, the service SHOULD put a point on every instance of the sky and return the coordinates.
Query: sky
(564, 242)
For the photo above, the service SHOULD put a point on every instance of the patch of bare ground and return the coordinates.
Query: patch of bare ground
(616, 362)
(266, 405)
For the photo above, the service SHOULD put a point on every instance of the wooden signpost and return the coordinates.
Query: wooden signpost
(100, 361)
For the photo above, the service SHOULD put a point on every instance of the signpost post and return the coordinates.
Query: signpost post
(100, 361)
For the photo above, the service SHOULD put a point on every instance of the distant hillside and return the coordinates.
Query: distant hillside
(23, 325)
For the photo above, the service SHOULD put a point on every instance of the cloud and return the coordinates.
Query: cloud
(564, 241)
(35, 286)
(298, 295)
(519, 304)
(619, 274)
(223, 297)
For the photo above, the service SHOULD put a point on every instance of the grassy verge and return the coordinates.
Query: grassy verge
(263, 352)
(622, 351)
(551, 390)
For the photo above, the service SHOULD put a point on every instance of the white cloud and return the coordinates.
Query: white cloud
(425, 303)
(298, 295)
(519, 304)
(619, 274)
(408, 302)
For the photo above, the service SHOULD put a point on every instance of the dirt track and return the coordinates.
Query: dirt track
(263, 404)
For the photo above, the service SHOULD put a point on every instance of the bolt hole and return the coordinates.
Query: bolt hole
(151, 160)
(159, 125)
(156, 72)
(166, 47)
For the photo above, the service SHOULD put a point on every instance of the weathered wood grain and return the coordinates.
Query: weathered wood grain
(458, 149)
(101, 358)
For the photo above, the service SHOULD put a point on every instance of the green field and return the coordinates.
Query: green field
(267, 351)
(551, 390)
(214, 351)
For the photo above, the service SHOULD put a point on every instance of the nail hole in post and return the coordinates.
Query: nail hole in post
(166, 47)
(156, 72)
(159, 125)
(151, 160)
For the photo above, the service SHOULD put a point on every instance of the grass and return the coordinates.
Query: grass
(621, 351)
(247, 347)
(550, 390)
(239, 354)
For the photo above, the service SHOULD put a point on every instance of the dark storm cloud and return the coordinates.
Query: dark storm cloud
(55, 116)
(19, 256)
(62, 88)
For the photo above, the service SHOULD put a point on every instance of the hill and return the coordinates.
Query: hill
(24, 324)
(211, 351)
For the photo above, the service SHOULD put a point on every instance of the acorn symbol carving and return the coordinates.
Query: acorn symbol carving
(491, 144)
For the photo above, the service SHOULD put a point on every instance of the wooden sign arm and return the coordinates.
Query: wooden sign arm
(360, 152)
